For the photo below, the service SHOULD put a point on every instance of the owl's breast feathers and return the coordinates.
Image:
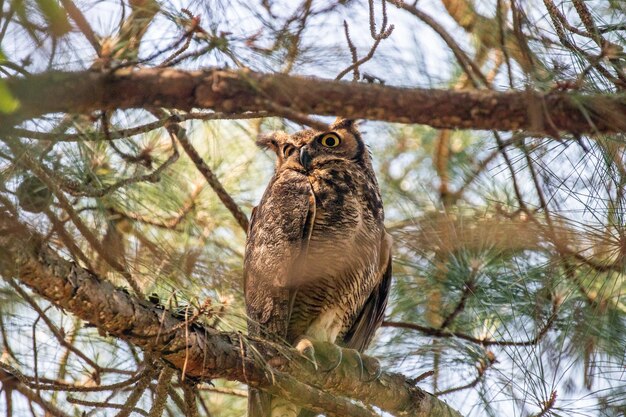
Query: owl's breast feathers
(347, 257)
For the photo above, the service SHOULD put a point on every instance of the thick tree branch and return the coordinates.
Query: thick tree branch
(204, 352)
(239, 91)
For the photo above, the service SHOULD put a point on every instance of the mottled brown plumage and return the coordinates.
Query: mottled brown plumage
(318, 262)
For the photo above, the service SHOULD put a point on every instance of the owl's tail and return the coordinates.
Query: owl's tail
(307, 413)
(283, 408)
(261, 404)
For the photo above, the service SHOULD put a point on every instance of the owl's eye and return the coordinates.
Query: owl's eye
(288, 150)
(330, 140)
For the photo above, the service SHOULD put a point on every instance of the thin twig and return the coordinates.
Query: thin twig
(103, 405)
(547, 405)
(468, 290)
(137, 130)
(80, 190)
(57, 334)
(222, 390)
(436, 332)
(189, 395)
(385, 32)
(57, 226)
(166, 223)
(467, 64)
(352, 48)
(294, 40)
(143, 158)
(45, 384)
(603, 44)
(82, 24)
(509, 164)
(205, 408)
(483, 366)
(482, 165)
(502, 39)
(180, 403)
(194, 27)
(212, 179)
(142, 385)
(595, 61)
(160, 394)
(5, 340)
(31, 395)
(555, 13)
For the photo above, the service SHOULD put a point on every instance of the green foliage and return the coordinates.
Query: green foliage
(56, 17)
(8, 103)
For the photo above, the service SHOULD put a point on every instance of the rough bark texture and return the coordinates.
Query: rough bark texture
(202, 352)
(239, 91)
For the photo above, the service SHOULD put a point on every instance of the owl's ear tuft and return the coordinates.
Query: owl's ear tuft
(271, 140)
(348, 124)
(266, 141)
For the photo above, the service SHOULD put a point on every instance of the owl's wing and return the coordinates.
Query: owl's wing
(371, 315)
(278, 239)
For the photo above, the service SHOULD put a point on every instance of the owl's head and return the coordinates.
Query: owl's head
(309, 150)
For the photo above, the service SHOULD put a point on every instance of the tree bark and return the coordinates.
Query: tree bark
(240, 91)
(202, 352)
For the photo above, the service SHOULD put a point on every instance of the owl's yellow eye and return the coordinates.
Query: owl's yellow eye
(330, 140)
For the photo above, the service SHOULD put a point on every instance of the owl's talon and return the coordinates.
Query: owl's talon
(361, 367)
(335, 366)
(305, 347)
(377, 375)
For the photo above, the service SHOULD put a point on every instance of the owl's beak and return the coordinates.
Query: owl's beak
(305, 158)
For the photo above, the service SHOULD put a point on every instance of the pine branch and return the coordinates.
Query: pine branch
(202, 351)
(240, 91)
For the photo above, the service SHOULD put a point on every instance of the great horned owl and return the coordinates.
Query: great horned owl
(318, 259)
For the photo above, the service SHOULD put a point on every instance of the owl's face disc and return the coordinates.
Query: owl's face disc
(309, 150)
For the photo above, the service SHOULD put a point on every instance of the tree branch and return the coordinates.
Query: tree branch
(239, 91)
(204, 352)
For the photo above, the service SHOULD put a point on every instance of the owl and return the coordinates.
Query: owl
(318, 259)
